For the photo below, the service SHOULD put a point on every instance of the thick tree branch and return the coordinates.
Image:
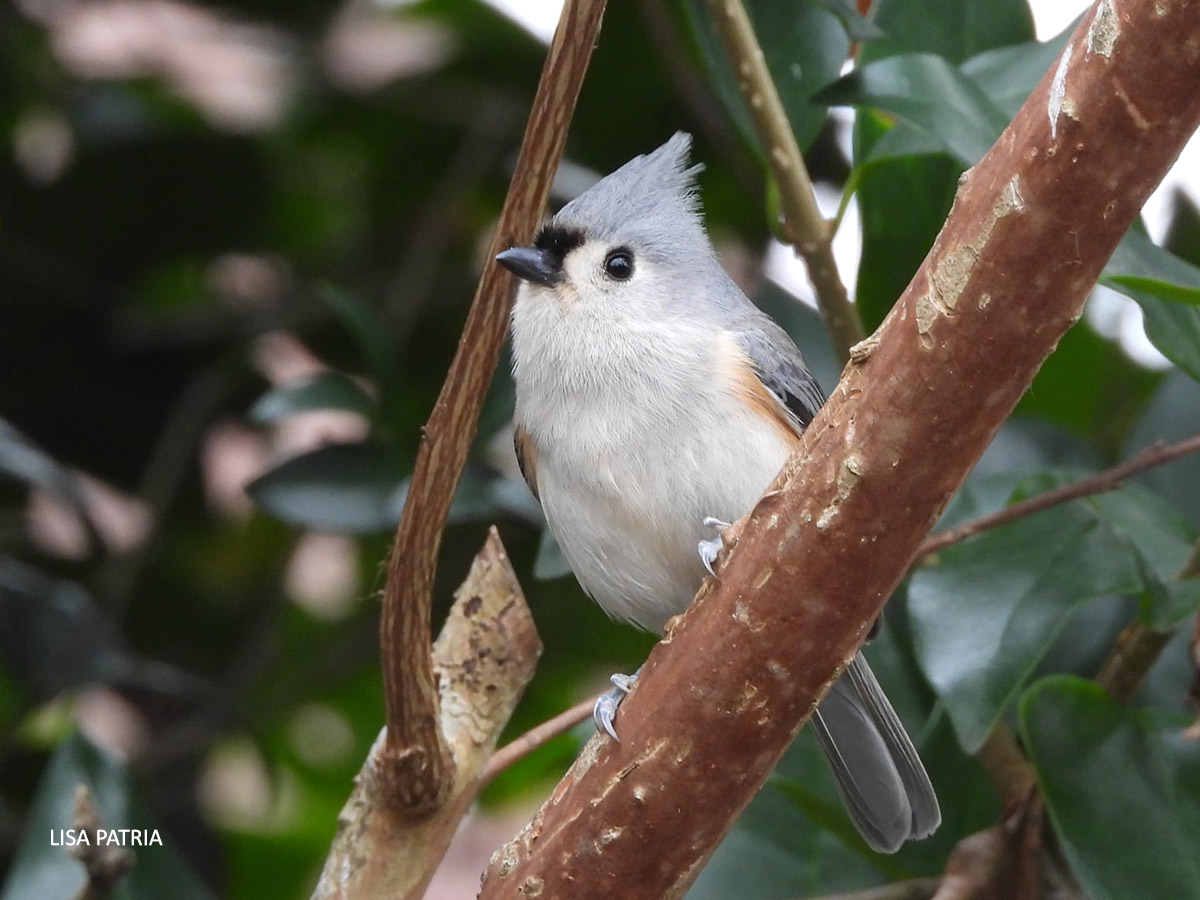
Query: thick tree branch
(802, 218)
(484, 658)
(415, 761)
(1000, 755)
(1031, 228)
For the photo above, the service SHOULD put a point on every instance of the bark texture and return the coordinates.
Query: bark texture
(734, 679)
(415, 762)
(483, 659)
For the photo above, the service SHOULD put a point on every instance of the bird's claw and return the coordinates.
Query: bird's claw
(604, 711)
(709, 550)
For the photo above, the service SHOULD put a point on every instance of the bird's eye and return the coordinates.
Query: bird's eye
(619, 265)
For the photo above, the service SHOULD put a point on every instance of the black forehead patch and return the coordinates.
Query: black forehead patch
(558, 240)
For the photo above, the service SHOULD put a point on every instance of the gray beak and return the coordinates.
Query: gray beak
(539, 266)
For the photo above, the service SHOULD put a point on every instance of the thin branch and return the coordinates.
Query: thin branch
(520, 747)
(415, 760)
(1110, 479)
(803, 220)
(1006, 765)
(1136, 650)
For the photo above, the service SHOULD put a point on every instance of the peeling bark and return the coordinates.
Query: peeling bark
(734, 679)
(482, 662)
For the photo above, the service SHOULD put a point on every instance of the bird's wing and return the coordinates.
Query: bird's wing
(780, 369)
(527, 456)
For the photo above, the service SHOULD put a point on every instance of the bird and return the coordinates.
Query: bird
(654, 403)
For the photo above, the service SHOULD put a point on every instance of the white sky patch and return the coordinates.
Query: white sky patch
(538, 17)
(785, 267)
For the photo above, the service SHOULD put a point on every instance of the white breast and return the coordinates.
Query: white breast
(638, 439)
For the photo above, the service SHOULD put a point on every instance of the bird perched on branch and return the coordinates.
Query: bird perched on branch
(656, 402)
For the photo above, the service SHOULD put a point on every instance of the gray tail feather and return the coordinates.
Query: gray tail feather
(878, 773)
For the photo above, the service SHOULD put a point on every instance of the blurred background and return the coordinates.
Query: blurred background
(237, 244)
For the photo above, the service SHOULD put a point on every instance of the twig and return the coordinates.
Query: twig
(415, 761)
(1006, 765)
(520, 747)
(803, 220)
(1156, 455)
(105, 864)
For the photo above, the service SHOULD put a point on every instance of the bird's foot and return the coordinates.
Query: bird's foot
(710, 549)
(604, 712)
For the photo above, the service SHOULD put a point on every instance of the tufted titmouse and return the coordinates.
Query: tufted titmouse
(653, 401)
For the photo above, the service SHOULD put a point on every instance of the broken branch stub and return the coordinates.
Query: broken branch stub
(722, 696)
(483, 660)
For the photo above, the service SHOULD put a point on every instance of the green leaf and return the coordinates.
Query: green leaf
(1008, 75)
(858, 27)
(1177, 293)
(42, 869)
(1092, 387)
(829, 816)
(1172, 413)
(53, 636)
(987, 610)
(1173, 328)
(356, 488)
(929, 93)
(1160, 533)
(902, 204)
(804, 44)
(359, 489)
(1121, 787)
(325, 390)
(374, 341)
(1167, 289)
(1142, 265)
(954, 29)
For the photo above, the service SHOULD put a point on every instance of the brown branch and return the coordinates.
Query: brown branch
(720, 699)
(1110, 479)
(535, 737)
(1138, 647)
(802, 218)
(415, 762)
(105, 864)
(1006, 765)
(483, 659)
